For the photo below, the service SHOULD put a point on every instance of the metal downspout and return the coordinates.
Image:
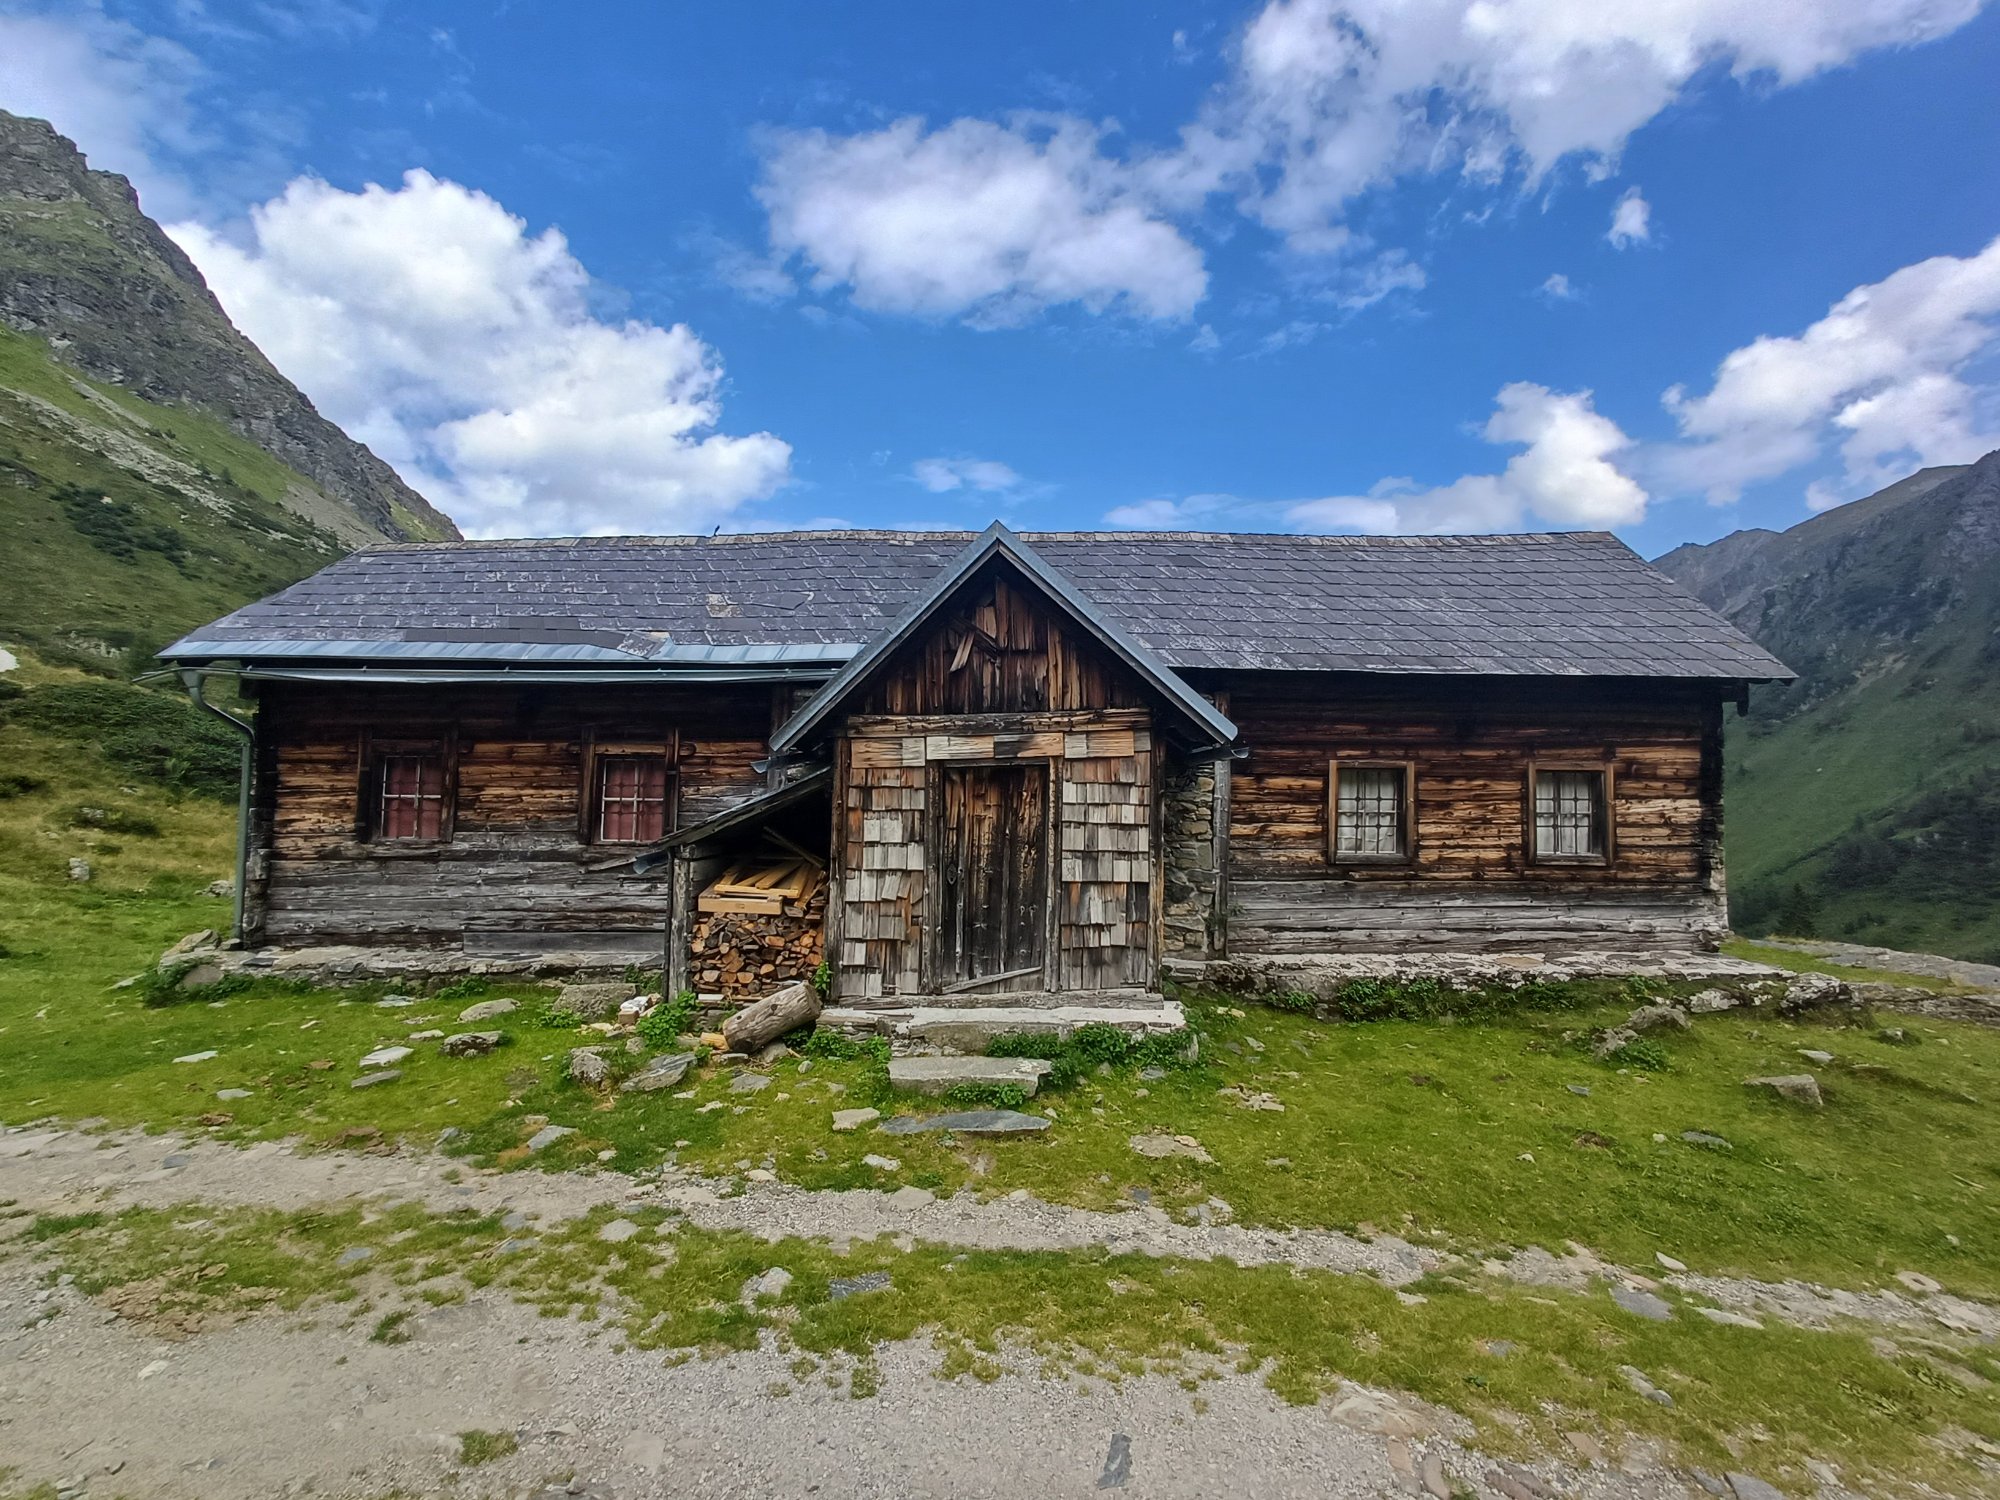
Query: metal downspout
(192, 680)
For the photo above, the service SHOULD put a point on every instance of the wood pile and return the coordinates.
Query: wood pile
(759, 927)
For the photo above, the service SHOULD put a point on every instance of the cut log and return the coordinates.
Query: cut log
(790, 1008)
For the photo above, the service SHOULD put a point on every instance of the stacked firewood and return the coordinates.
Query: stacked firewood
(743, 945)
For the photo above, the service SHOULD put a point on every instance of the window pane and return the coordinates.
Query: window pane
(1569, 813)
(631, 798)
(1369, 815)
(412, 797)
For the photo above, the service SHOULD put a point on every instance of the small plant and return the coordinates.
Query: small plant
(830, 1046)
(986, 1095)
(556, 1018)
(1643, 1053)
(822, 979)
(667, 1022)
(390, 1329)
(1299, 1002)
(476, 1447)
(469, 988)
(16, 783)
(162, 987)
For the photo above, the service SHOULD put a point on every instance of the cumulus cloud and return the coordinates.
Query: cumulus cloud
(993, 221)
(428, 322)
(1887, 376)
(1325, 101)
(1565, 477)
(1558, 288)
(943, 475)
(1631, 221)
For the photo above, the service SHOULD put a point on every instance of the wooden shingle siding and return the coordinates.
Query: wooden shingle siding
(1471, 882)
(516, 869)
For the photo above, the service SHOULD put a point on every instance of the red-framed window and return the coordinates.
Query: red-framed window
(633, 796)
(410, 797)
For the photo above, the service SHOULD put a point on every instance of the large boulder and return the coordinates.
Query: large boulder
(660, 1073)
(776, 1015)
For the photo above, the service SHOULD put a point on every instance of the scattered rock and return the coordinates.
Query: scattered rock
(907, 1200)
(201, 977)
(587, 1068)
(936, 1075)
(548, 1135)
(618, 1231)
(660, 1073)
(842, 1287)
(1800, 1088)
(1813, 991)
(1916, 1281)
(1750, 1487)
(232, 1093)
(1582, 1091)
(882, 1163)
(195, 1057)
(1152, 1074)
(1431, 1472)
(381, 1075)
(79, 869)
(1652, 1017)
(1252, 1098)
(1896, 1036)
(157, 1367)
(1708, 1002)
(593, 1002)
(353, 1255)
(1378, 1412)
(776, 1052)
(470, 1043)
(1159, 1145)
(968, 1122)
(189, 944)
(748, 1083)
(1642, 1303)
(395, 1002)
(771, 1283)
(1644, 1387)
(424, 1036)
(845, 1120)
(487, 1010)
(222, 888)
(387, 1057)
(1729, 1319)
(1667, 1262)
(1117, 1463)
(1703, 1138)
(1816, 1057)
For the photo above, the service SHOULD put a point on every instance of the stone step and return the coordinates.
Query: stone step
(970, 1029)
(937, 1075)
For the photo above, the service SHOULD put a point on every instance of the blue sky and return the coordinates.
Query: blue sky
(1385, 265)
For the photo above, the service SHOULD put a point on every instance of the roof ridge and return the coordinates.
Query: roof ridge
(898, 534)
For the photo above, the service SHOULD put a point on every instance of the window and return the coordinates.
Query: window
(1371, 813)
(631, 798)
(1572, 814)
(412, 800)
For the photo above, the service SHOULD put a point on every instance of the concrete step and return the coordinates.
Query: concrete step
(938, 1075)
(971, 1028)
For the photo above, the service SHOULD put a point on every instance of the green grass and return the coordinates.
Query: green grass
(128, 523)
(1829, 1395)
(476, 1447)
(1806, 963)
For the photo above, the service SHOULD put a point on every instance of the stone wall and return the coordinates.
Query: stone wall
(1193, 811)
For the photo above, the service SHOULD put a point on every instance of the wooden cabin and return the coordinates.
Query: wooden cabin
(945, 764)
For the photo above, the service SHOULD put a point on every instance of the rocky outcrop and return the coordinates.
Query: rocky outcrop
(82, 267)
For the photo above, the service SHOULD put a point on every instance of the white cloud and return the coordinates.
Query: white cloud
(1185, 514)
(1325, 101)
(1886, 375)
(943, 475)
(1564, 476)
(1558, 288)
(1631, 221)
(121, 95)
(988, 221)
(429, 323)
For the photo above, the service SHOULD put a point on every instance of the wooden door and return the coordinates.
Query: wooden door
(991, 869)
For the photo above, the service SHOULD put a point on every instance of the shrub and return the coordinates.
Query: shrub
(831, 1046)
(116, 820)
(1090, 1047)
(161, 987)
(1641, 1052)
(155, 736)
(556, 1018)
(19, 784)
(986, 1095)
(469, 988)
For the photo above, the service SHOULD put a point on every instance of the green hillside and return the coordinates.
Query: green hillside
(1864, 800)
(123, 524)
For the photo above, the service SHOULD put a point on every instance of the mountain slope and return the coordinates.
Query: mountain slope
(1864, 799)
(84, 269)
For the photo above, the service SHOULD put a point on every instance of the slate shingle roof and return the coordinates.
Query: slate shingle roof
(1577, 603)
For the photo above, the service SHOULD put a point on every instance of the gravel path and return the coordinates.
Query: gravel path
(285, 1406)
(48, 1169)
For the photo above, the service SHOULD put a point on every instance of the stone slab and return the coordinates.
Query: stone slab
(937, 1075)
(968, 1122)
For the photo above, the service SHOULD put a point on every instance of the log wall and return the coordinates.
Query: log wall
(1471, 885)
(516, 872)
